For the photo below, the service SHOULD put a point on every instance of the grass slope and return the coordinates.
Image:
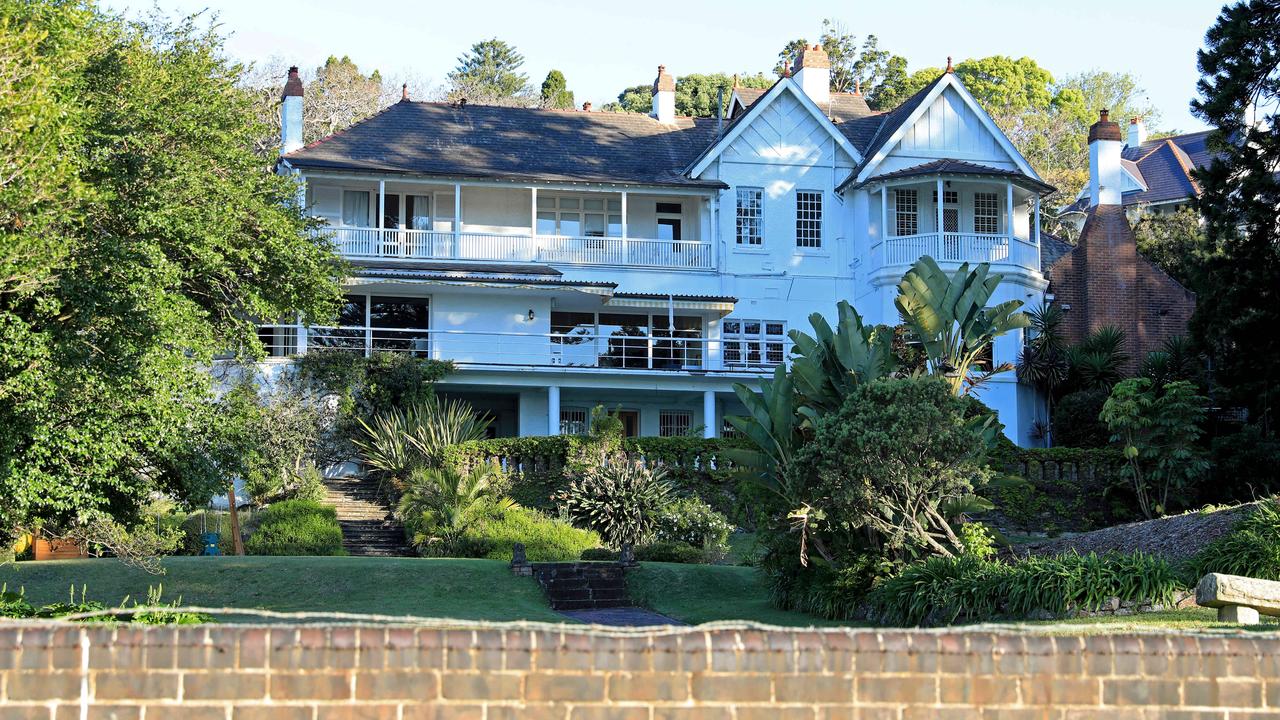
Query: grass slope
(707, 593)
(463, 589)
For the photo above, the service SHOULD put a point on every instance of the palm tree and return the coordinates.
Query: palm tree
(1096, 363)
(1043, 360)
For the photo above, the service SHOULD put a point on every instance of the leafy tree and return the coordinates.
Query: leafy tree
(890, 459)
(172, 238)
(948, 315)
(696, 95)
(489, 74)
(1172, 241)
(852, 66)
(555, 94)
(1158, 427)
(1239, 278)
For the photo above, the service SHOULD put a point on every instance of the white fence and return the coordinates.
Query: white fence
(961, 247)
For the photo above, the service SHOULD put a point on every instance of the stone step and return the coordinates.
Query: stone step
(582, 586)
(368, 525)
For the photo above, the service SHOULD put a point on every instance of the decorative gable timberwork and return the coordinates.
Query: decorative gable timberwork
(785, 132)
(949, 127)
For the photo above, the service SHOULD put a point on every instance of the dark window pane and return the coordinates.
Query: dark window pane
(618, 350)
(399, 312)
(352, 312)
(669, 208)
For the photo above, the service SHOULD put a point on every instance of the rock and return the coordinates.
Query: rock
(1238, 614)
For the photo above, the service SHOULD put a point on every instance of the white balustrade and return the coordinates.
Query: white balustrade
(961, 247)
(379, 243)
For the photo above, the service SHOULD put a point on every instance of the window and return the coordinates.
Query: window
(579, 217)
(355, 208)
(626, 340)
(949, 197)
(986, 213)
(669, 208)
(906, 212)
(808, 218)
(749, 343)
(950, 210)
(377, 323)
(727, 430)
(674, 423)
(750, 216)
(573, 421)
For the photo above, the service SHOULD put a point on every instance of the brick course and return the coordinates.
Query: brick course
(564, 673)
(1105, 281)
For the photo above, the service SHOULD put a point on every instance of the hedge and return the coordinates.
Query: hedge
(296, 527)
(532, 467)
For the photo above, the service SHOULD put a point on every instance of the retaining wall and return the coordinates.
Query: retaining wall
(492, 673)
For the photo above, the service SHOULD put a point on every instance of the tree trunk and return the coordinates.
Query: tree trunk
(237, 540)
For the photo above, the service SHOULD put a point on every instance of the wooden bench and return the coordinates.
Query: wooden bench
(1239, 599)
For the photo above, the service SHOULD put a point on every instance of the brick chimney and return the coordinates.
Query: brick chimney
(664, 97)
(1137, 132)
(1104, 161)
(813, 72)
(291, 113)
(586, 106)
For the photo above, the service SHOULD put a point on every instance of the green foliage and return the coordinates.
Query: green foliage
(1237, 276)
(1075, 419)
(171, 238)
(621, 501)
(1043, 362)
(1171, 241)
(976, 540)
(15, 605)
(1251, 548)
(489, 74)
(440, 504)
(949, 315)
(672, 551)
(876, 72)
(1062, 489)
(367, 387)
(400, 440)
(1175, 360)
(555, 93)
(1097, 361)
(693, 522)
(889, 459)
(943, 591)
(696, 95)
(498, 526)
(297, 527)
(1245, 465)
(1158, 428)
(829, 364)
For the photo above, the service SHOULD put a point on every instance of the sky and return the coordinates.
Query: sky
(602, 47)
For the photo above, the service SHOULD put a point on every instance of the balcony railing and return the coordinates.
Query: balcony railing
(613, 351)
(961, 247)
(379, 243)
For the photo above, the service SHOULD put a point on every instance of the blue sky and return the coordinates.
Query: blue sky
(604, 46)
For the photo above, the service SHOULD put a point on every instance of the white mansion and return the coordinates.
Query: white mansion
(564, 259)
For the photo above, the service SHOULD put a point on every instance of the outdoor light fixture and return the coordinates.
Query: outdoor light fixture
(531, 315)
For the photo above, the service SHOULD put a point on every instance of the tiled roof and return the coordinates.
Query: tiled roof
(843, 106)
(1052, 249)
(960, 167)
(478, 141)
(1164, 165)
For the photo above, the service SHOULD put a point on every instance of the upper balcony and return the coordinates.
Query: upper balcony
(402, 220)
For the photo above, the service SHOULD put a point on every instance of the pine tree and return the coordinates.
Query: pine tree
(1237, 319)
(555, 93)
(489, 73)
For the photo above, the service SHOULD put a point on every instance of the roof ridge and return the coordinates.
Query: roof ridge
(1185, 163)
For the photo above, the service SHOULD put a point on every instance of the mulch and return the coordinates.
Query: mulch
(1175, 538)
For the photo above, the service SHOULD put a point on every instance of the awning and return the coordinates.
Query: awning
(655, 301)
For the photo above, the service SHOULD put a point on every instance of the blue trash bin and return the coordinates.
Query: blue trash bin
(212, 543)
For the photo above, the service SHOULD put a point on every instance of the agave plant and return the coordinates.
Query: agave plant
(948, 314)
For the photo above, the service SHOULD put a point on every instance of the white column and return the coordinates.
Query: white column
(553, 410)
(709, 427)
(1008, 209)
(939, 245)
(624, 213)
(382, 214)
(626, 244)
(533, 212)
(302, 338)
(884, 212)
(457, 219)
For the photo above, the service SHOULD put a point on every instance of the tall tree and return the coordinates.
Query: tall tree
(172, 237)
(555, 93)
(852, 66)
(1238, 317)
(489, 73)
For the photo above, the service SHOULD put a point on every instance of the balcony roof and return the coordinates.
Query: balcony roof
(465, 273)
(515, 144)
(947, 167)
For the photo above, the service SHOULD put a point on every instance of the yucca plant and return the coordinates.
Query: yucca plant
(402, 439)
(621, 501)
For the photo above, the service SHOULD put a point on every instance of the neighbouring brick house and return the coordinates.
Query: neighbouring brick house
(1103, 280)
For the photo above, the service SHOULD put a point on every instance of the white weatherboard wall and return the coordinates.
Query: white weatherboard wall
(949, 128)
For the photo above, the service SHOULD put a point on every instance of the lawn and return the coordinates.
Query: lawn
(707, 593)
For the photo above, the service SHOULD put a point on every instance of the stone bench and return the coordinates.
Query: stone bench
(1238, 599)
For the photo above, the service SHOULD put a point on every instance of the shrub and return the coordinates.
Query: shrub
(296, 527)
(889, 460)
(621, 501)
(399, 440)
(440, 504)
(214, 521)
(1245, 465)
(599, 554)
(1075, 420)
(1252, 548)
(672, 551)
(941, 591)
(693, 522)
(499, 526)
(976, 540)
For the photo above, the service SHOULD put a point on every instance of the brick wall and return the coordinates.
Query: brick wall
(1106, 282)
(493, 673)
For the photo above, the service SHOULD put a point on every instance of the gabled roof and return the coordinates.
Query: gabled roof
(959, 167)
(841, 108)
(1052, 249)
(1164, 167)
(896, 122)
(741, 121)
(516, 144)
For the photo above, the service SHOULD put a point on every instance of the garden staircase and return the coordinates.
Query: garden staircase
(368, 525)
(582, 585)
